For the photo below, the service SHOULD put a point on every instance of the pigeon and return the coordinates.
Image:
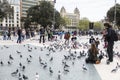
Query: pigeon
(73, 63)
(28, 60)
(114, 70)
(9, 63)
(14, 73)
(40, 59)
(48, 54)
(29, 50)
(1, 63)
(50, 70)
(66, 70)
(25, 77)
(45, 65)
(20, 64)
(6, 46)
(35, 48)
(23, 68)
(118, 65)
(20, 56)
(51, 59)
(30, 56)
(18, 52)
(84, 68)
(10, 57)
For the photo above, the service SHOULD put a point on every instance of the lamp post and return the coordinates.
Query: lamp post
(115, 15)
(54, 15)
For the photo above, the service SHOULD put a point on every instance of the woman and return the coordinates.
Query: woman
(92, 55)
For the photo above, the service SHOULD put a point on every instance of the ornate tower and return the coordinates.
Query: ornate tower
(77, 12)
(63, 12)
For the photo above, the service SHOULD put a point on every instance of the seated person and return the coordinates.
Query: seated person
(92, 55)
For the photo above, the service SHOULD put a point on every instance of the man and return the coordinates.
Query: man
(42, 35)
(109, 39)
(19, 33)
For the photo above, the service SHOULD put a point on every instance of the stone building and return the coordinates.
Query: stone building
(72, 19)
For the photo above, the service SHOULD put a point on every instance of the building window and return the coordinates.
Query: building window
(9, 25)
(12, 25)
(17, 25)
(6, 25)
(17, 21)
(17, 14)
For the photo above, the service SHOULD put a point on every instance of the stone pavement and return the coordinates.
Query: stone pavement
(95, 72)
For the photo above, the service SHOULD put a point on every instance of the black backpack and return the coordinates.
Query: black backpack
(114, 35)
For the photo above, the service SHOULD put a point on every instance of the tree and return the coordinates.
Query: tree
(59, 20)
(43, 14)
(110, 14)
(84, 24)
(5, 8)
(98, 25)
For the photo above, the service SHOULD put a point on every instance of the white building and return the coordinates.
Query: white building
(12, 20)
(72, 19)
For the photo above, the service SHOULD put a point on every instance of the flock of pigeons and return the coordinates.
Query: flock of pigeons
(70, 56)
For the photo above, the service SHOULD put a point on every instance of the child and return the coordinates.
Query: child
(97, 42)
(92, 40)
(36, 76)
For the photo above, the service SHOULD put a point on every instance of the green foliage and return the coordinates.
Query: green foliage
(59, 20)
(84, 24)
(67, 20)
(43, 14)
(110, 14)
(5, 9)
(98, 25)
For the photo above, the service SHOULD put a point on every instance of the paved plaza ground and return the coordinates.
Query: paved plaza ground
(52, 55)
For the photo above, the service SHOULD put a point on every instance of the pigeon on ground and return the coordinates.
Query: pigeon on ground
(84, 68)
(114, 70)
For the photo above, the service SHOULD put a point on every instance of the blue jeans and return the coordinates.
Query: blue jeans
(19, 39)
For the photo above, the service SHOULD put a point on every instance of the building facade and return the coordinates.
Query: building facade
(26, 4)
(72, 19)
(12, 20)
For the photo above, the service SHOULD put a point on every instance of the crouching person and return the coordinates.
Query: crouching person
(92, 55)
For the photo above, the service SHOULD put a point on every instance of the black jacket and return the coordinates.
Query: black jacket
(109, 35)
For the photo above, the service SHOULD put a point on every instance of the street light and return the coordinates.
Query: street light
(54, 15)
(115, 15)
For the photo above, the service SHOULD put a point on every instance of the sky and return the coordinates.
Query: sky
(94, 10)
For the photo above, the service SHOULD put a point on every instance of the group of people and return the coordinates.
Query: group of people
(22, 34)
(93, 52)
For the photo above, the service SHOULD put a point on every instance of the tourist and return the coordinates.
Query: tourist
(110, 42)
(36, 76)
(97, 42)
(92, 55)
(67, 37)
(42, 35)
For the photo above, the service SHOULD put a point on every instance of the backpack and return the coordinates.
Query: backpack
(114, 35)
